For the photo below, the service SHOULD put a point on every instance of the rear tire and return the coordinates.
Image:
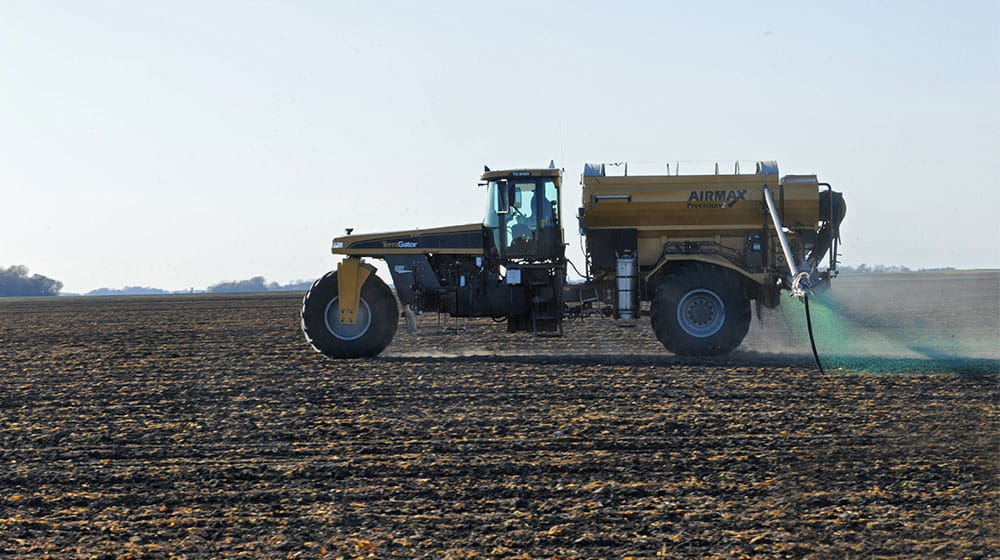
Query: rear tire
(378, 315)
(700, 310)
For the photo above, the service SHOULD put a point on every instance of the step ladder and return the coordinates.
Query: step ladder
(546, 310)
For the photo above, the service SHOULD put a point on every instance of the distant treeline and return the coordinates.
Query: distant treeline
(881, 268)
(128, 291)
(258, 284)
(15, 282)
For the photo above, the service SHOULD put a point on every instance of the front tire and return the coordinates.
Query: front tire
(378, 315)
(700, 310)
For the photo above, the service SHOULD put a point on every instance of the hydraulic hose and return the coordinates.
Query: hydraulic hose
(812, 339)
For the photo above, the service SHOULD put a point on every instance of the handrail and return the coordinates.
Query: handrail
(660, 167)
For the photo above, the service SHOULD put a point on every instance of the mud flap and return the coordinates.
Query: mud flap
(411, 318)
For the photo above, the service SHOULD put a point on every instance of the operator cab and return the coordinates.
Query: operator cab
(522, 215)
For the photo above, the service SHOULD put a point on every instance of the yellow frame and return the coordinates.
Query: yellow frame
(352, 273)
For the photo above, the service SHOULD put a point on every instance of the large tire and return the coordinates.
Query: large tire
(378, 315)
(700, 310)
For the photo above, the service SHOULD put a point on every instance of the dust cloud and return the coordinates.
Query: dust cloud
(873, 323)
(893, 322)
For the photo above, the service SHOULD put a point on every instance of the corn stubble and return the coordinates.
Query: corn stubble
(203, 426)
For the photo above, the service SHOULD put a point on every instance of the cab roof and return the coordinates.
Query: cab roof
(519, 173)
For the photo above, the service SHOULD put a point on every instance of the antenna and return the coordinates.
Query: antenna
(562, 152)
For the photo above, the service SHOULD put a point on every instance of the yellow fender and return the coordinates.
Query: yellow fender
(352, 273)
(758, 278)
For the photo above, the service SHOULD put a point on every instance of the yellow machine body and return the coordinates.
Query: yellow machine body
(679, 209)
(464, 239)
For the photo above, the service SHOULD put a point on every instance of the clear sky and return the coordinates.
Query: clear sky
(180, 144)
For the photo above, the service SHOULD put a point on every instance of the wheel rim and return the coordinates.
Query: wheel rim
(701, 313)
(344, 331)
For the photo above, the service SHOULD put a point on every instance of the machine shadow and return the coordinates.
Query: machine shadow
(833, 364)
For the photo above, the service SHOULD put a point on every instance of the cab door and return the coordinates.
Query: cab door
(549, 236)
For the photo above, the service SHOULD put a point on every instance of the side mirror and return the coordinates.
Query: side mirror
(503, 196)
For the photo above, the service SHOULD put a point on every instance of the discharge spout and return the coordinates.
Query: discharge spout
(796, 278)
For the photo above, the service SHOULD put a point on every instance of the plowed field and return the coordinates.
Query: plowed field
(204, 426)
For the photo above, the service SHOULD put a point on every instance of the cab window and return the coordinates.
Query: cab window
(522, 219)
(549, 211)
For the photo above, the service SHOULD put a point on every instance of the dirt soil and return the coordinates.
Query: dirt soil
(204, 426)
